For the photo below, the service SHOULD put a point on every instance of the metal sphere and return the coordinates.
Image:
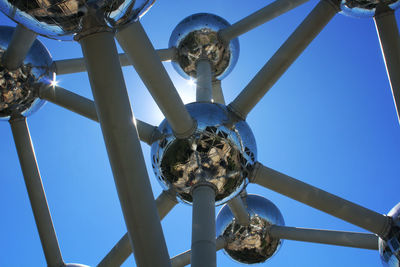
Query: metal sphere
(18, 87)
(252, 243)
(221, 152)
(197, 37)
(389, 249)
(365, 8)
(61, 19)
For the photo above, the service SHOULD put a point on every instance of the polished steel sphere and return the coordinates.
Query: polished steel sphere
(197, 37)
(221, 151)
(18, 87)
(61, 19)
(390, 249)
(252, 243)
(365, 8)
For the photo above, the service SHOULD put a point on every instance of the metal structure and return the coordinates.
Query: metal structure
(203, 153)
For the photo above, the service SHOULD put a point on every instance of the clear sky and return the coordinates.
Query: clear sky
(329, 121)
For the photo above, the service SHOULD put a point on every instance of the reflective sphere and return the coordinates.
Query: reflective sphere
(60, 19)
(196, 37)
(17, 87)
(390, 249)
(253, 243)
(365, 8)
(219, 152)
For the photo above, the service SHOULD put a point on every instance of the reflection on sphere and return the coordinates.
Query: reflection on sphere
(390, 249)
(365, 8)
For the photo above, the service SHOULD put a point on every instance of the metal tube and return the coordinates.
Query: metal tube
(258, 18)
(86, 107)
(183, 259)
(122, 250)
(284, 57)
(217, 93)
(238, 209)
(337, 238)
(321, 200)
(203, 227)
(388, 33)
(203, 81)
(37, 197)
(75, 65)
(135, 42)
(18, 48)
(124, 151)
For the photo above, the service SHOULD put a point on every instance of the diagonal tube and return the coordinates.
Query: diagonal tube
(183, 259)
(122, 250)
(37, 197)
(75, 65)
(238, 209)
(18, 48)
(337, 238)
(124, 151)
(135, 42)
(86, 107)
(321, 200)
(258, 18)
(311, 26)
(388, 33)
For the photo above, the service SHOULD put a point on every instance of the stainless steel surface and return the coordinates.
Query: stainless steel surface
(221, 152)
(321, 200)
(124, 150)
(37, 197)
(238, 210)
(19, 46)
(389, 248)
(123, 249)
(271, 11)
(297, 42)
(251, 243)
(203, 81)
(61, 19)
(17, 87)
(365, 8)
(196, 37)
(389, 38)
(203, 226)
(135, 42)
(338, 238)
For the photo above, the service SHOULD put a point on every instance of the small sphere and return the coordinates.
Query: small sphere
(389, 249)
(61, 19)
(220, 152)
(252, 243)
(197, 37)
(18, 87)
(365, 8)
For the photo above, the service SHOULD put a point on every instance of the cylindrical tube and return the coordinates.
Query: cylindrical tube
(37, 197)
(124, 151)
(321, 200)
(203, 227)
(283, 58)
(388, 33)
(346, 239)
(217, 93)
(203, 81)
(238, 209)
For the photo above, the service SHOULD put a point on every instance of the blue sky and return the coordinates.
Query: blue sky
(329, 121)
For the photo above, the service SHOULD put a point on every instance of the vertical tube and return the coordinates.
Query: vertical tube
(124, 151)
(204, 81)
(19, 47)
(217, 93)
(203, 228)
(37, 197)
(388, 33)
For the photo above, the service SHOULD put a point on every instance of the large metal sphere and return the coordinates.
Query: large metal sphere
(220, 152)
(365, 8)
(18, 87)
(253, 243)
(390, 249)
(197, 37)
(61, 19)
